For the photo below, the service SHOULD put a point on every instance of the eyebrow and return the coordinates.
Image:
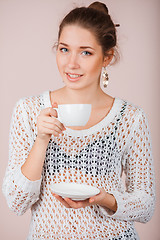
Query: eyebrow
(82, 47)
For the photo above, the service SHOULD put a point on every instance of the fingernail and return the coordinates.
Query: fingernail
(54, 103)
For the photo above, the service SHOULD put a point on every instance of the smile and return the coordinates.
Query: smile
(73, 77)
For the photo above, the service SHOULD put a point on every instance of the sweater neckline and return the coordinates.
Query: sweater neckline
(97, 127)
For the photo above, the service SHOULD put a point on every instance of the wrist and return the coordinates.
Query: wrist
(32, 167)
(41, 141)
(109, 202)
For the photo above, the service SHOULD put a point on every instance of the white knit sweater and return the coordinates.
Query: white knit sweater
(97, 156)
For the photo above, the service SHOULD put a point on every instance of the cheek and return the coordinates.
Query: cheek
(95, 67)
(60, 62)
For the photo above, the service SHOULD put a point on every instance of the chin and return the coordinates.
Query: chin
(72, 87)
(78, 87)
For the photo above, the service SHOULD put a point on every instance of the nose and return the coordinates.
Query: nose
(73, 61)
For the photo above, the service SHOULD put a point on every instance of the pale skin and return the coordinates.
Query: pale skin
(78, 53)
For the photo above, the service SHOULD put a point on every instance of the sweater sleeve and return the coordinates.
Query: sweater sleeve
(137, 202)
(20, 192)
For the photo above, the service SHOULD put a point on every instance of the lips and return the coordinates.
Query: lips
(73, 77)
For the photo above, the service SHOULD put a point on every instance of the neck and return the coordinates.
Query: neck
(83, 96)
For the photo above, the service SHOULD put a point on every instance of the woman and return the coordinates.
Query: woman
(116, 139)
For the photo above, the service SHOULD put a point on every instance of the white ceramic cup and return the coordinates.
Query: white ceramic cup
(73, 114)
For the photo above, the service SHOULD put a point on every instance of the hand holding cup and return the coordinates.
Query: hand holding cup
(48, 124)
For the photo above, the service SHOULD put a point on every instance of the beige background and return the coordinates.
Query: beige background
(28, 30)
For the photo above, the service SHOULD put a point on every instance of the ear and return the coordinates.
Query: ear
(108, 57)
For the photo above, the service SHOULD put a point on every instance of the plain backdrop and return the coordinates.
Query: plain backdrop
(28, 30)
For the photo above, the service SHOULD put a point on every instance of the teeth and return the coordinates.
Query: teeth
(73, 75)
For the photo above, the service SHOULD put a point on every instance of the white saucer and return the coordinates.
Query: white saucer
(74, 191)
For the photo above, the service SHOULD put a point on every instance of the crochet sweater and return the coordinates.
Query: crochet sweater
(98, 156)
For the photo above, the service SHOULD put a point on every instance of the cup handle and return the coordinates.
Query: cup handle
(58, 114)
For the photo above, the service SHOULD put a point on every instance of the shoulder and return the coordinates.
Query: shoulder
(33, 100)
(132, 114)
(138, 118)
(30, 104)
(131, 108)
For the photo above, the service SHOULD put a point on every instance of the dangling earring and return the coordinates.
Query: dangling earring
(105, 78)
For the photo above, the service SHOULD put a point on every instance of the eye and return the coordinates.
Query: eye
(86, 53)
(64, 50)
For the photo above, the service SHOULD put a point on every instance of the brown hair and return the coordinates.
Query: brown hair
(96, 19)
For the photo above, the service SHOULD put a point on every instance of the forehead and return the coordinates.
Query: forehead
(77, 36)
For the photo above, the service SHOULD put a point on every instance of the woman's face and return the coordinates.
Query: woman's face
(79, 57)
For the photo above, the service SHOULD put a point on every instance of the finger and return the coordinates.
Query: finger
(49, 112)
(46, 130)
(71, 203)
(54, 113)
(77, 204)
(94, 199)
(59, 198)
(54, 104)
(51, 127)
(91, 200)
(97, 199)
(53, 121)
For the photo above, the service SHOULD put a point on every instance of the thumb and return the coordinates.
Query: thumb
(54, 104)
(91, 200)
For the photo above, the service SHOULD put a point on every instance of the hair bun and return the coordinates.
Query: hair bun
(99, 6)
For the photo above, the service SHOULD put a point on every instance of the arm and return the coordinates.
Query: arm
(22, 181)
(19, 191)
(137, 202)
